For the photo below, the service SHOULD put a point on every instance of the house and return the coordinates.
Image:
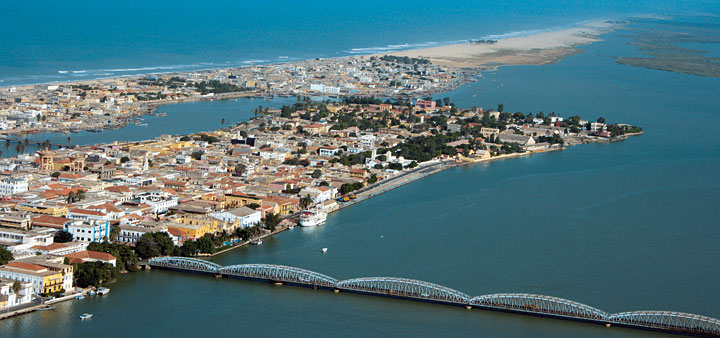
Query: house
(13, 185)
(245, 216)
(237, 199)
(88, 231)
(522, 140)
(91, 256)
(328, 151)
(41, 278)
(425, 104)
(8, 296)
(131, 233)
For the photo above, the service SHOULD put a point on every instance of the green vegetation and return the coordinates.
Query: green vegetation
(207, 138)
(126, 257)
(404, 60)
(5, 256)
(425, 148)
(62, 237)
(93, 273)
(217, 87)
(622, 129)
(350, 187)
(154, 244)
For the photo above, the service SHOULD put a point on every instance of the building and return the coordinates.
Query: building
(10, 298)
(328, 151)
(19, 240)
(131, 233)
(13, 185)
(88, 231)
(236, 200)
(425, 104)
(53, 264)
(15, 222)
(41, 278)
(245, 216)
(87, 215)
(159, 200)
(91, 256)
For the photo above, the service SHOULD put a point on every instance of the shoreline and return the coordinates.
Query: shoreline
(536, 49)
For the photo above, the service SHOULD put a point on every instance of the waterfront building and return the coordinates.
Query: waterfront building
(10, 298)
(53, 264)
(91, 256)
(244, 216)
(60, 249)
(42, 279)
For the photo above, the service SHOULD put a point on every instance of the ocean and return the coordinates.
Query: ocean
(50, 41)
(622, 226)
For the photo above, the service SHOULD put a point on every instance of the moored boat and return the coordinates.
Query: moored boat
(86, 316)
(103, 291)
(311, 218)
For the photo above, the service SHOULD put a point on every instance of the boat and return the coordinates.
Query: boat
(47, 308)
(79, 297)
(141, 124)
(92, 293)
(291, 227)
(256, 241)
(95, 130)
(311, 218)
(103, 291)
(323, 250)
(86, 316)
(161, 114)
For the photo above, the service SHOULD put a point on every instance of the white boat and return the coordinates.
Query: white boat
(79, 297)
(323, 250)
(103, 291)
(257, 241)
(92, 293)
(86, 316)
(311, 218)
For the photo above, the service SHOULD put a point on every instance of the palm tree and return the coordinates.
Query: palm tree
(16, 287)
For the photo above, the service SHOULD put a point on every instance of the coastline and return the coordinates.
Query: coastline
(535, 49)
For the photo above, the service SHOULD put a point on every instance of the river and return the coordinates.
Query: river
(622, 226)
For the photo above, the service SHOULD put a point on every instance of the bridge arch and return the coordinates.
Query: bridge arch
(186, 263)
(279, 273)
(677, 321)
(539, 304)
(404, 287)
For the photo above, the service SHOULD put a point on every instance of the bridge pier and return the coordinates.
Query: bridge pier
(468, 307)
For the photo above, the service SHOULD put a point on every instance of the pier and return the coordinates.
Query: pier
(416, 290)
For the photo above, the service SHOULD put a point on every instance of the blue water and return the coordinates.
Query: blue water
(85, 40)
(623, 226)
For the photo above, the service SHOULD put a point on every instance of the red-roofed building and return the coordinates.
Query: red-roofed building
(91, 256)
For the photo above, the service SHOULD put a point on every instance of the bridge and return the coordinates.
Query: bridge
(417, 290)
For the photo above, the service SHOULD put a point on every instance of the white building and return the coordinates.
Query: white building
(18, 240)
(8, 297)
(13, 185)
(88, 232)
(87, 215)
(159, 200)
(131, 233)
(245, 216)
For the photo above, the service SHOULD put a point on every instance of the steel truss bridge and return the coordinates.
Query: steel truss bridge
(539, 305)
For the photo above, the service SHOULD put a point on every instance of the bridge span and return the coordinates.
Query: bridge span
(410, 289)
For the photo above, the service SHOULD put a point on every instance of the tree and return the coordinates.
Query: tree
(501, 107)
(5, 256)
(16, 287)
(601, 120)
(271, 221)
(317, 173)
(164, 242)
(239, 169)
(124, 159)
(373, 178)
(62, 237)
(305, 202)
(205, 244)
(185, 138)
(147, 247)
(252, 206)
(94, 273)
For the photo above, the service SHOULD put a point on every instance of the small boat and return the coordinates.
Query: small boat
(47, 308)
(79, 297)
(323, 250)
(141, 124)
(291, 227)
(103, 291)
(86, 316)
(256, 241)
(92, 293)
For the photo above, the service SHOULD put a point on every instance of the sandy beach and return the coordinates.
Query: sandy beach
(536, 49)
